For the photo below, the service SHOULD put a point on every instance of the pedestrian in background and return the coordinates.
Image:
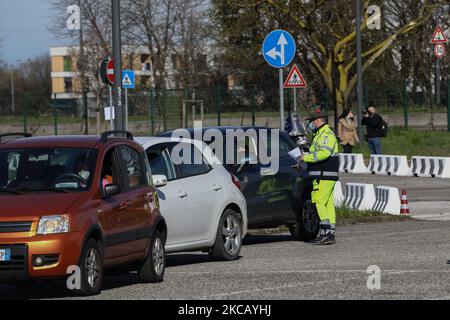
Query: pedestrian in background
(347, 134)
(376, 128)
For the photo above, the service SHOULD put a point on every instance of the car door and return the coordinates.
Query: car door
(111, 208)
(284, 183)
(133, 220)
(172, 197)
(204, 192)
(252, 184)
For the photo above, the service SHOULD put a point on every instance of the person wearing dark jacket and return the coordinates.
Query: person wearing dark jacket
(374, 123)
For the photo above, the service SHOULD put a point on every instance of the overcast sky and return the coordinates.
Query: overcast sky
(24, 29)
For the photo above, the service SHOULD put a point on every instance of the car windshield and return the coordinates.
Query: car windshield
(46, 170)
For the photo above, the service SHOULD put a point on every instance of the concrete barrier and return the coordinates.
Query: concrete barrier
(436, 167)
(338, 195)
(359, 196)
(387, 200)
(352, 163)
(389, 165)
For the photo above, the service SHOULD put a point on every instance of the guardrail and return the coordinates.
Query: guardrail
(387, 200)
(362, 196)
(338, 195)
(436, 167)
(352, 163)
(389, 165)
(359, 196)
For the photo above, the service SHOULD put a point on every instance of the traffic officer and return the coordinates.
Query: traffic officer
(323, 169)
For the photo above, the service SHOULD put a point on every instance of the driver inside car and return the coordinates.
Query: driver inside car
(82, 169)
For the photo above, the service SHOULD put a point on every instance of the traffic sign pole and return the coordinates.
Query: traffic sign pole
(111, 120)
(117, 53)
(280, 73)
(126, 108)
(295, 99)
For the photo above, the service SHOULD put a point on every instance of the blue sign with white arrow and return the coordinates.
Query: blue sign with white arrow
(279, 48)
(128, 79)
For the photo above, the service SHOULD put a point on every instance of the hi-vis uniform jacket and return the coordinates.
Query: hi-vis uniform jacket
(323, 160)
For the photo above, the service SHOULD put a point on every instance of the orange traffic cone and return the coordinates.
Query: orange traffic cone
(404, 208)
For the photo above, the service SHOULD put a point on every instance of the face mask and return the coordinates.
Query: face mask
(311, 126)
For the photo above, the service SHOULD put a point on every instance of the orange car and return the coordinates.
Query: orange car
(72, 206)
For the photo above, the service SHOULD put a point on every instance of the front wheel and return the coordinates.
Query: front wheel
(228, 238)
(308, 223)
(153, 268)
(91, 270)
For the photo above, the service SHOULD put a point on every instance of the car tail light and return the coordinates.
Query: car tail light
(236, 181)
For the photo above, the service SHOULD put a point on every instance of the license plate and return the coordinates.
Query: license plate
(5, 254)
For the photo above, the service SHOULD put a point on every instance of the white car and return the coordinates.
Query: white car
(202, 203)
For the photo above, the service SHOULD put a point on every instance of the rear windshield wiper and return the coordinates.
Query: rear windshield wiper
(42, 188)
(6, 190)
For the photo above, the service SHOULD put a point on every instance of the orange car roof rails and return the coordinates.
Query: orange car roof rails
(14, 134)
(112, 134)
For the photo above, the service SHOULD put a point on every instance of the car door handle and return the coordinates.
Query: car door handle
(124, 205)
(217, 187)
(182, 194)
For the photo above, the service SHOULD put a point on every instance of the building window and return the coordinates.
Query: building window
(67, 64)
(68, 85)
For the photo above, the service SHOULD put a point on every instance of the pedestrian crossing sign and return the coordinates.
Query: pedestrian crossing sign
(295, 79)
(128, 79)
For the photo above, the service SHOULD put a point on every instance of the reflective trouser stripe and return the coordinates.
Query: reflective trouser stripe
(324, 173)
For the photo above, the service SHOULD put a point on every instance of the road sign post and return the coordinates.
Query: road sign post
(278, 50)
(128, 82)
(117, 54)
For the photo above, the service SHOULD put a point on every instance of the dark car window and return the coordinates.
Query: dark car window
(134, 172)
(284, 146)
(37, 170)
(191, 168)
(160, 163)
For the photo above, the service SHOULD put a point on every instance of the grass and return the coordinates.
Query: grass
(411, 142)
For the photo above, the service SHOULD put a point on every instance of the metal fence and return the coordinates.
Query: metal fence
(150, 114)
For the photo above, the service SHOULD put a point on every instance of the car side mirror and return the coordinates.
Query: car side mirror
(159, 180)
(112, 190)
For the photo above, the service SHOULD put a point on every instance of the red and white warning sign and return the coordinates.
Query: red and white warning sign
(295, 79)
(439, 36)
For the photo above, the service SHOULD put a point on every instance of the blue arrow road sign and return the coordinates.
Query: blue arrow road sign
(279, 48)
(128, 79)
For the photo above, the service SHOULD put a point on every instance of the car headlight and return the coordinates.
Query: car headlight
(53, 224)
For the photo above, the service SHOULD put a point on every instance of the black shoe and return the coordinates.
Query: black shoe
(320, 238)
(329, 239)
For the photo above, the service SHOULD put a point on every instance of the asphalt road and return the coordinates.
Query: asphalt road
(412, 257)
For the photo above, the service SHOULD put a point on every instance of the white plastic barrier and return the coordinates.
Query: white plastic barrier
(387, 200)
(338, 195)
(390, 165)
(436, 167)
(359, 196)
(352, 163)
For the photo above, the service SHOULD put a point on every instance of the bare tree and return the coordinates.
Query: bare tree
(152, 24)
